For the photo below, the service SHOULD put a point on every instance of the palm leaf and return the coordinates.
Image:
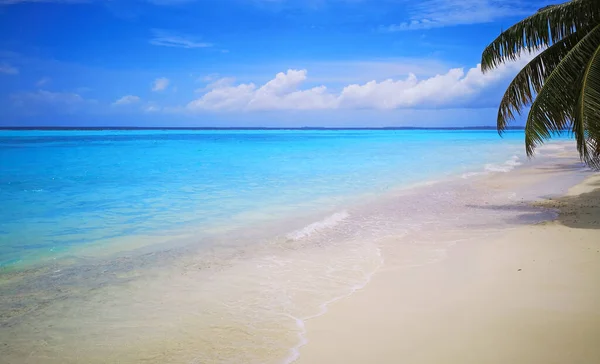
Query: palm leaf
(546, 27)
(553, 109)
(587, 112)
(530, 80)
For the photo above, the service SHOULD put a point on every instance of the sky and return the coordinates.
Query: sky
(247, 63)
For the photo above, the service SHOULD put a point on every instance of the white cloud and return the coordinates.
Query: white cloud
(216, 83)
(42, 81)
(167, 38)
(8, 69)
(450, 89)
(221, 82)
(160, 84)
(281, 93)
(126, 100)
(428, 14)
(225, 98)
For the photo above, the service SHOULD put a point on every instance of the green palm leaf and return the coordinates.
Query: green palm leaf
(530, 80)
(587, 112)
(553, 109)
(546, 27)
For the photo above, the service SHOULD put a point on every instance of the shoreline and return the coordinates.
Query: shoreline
(522, 295)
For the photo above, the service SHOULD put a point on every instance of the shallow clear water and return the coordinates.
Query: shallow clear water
(65, 189)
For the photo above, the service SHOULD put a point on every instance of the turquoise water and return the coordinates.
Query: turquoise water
(74, 189)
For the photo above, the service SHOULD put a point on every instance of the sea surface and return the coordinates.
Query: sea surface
(72, 189)
(217, 246)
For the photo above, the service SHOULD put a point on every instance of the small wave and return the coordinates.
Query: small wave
(323, 308)
(471, 174)
(326, 223)
(507, 166)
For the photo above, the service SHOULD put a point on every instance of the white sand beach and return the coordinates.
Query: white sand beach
(526, 295)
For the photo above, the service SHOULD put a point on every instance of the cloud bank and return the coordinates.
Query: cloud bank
(455, 88)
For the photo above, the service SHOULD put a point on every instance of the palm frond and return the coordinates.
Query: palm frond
(553, 109)
(546, 27)
(530, 80)
(587, 112)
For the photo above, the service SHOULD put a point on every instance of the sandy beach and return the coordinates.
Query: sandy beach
(525, 295)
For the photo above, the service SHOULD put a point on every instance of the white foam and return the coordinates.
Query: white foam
(507, 166)
(471, 174)
(326, 223)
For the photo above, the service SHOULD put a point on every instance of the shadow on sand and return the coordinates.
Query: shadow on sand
(578, 212)
(561, 167)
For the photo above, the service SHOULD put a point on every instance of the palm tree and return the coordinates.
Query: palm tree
(562, 83)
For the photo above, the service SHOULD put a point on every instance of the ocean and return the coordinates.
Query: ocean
(74, 189)
(216, 246)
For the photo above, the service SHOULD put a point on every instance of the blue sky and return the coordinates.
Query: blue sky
(277, 63)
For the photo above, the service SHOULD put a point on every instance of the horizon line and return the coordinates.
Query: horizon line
(251, 128)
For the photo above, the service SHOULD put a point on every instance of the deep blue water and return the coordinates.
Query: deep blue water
(63, 189)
